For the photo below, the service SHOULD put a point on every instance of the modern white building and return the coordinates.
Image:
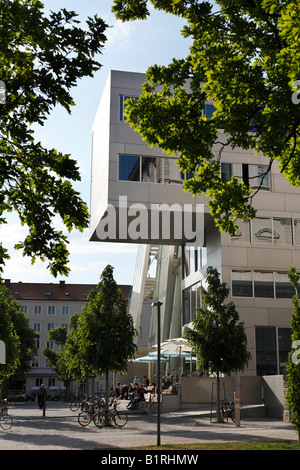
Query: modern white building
(131, 181)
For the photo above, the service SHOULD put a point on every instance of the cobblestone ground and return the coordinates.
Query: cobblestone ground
(60, 430)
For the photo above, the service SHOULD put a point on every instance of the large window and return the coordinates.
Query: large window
(191, 301)
(242, 284)
(273, 345)
(272, 231)
(263, 284)
(149, 169)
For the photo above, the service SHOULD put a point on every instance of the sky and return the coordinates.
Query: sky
(133, 47)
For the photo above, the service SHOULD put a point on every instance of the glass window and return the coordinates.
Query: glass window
(266, 355)
(209, 110)
(171, 171)
(51, 310)
(243, 232)
(284, 289)
(282, 231)
(242, 284)
(186, 306)
(151, 170)
(263, 175)
(297, 231)
(226, 171)
(284, 347)
(263, 284)
(262, 230)
(37, 310)
(129, 168)
(65, 310)
(123, 98)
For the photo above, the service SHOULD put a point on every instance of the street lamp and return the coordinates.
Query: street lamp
(158, 305)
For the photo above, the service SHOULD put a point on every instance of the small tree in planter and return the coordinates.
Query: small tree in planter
(217, 337)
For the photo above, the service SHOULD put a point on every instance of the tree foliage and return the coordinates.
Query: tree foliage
(19, 338)
(42, 58)
(245, 57)
(217, 336)
(293, 368)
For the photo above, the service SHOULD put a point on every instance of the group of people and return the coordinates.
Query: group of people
(134, 392)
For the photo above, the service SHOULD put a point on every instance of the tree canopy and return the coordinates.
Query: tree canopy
(245, 57)
(42, 58)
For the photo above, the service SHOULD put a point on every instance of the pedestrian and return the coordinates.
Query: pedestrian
(42, 397)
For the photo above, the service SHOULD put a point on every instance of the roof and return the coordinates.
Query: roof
(60, 291)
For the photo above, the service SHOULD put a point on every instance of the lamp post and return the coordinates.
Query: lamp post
(158, 305)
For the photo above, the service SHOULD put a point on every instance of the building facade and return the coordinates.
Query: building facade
(48, 306)
(132, 182)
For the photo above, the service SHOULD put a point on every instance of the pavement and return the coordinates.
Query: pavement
(60, 430)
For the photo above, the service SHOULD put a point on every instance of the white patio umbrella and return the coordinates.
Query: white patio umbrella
(150, 359)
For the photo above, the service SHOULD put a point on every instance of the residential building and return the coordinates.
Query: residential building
(131, 181)
(47, 306)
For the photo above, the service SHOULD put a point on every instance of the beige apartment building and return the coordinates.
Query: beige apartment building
(130, 181)
(47, 306)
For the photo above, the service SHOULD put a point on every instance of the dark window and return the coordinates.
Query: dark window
(129, 168)
(266, 360)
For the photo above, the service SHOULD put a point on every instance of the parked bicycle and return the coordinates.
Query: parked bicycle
(6, 420)
(77, 402)
(90, 409)
(111, 416)
(227, 410)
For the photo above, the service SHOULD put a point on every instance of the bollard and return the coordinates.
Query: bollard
(237, 409)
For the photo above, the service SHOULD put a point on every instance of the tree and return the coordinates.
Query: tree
(19, 338)
(42, 59)
(216, 336)
(105, 331)
(245, 57)
(293, 367)
(68, 361)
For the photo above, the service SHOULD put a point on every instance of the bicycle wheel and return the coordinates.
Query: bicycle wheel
(99, 419)
(74, 405)
(6, 421)
(84, 418)
(120, 419)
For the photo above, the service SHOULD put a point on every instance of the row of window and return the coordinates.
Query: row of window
(265, 284)
(272, 230)
(165, 170)
(37, 327)
(50, 309)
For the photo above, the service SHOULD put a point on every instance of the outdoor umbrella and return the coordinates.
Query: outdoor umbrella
(150, 359)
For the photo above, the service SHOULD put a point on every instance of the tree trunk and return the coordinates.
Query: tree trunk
(106, 398)
(219, 416)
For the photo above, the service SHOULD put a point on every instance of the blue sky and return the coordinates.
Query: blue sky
(131, 46)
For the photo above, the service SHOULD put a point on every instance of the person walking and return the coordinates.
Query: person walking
(42, 397)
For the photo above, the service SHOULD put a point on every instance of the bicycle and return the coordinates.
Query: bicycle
(113, 415)
(77, 402)
(6, 420)
(88, 414)
(227, 410)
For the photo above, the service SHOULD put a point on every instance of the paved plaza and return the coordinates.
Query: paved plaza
(60, 430)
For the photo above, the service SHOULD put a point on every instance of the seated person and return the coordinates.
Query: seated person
(137, 396)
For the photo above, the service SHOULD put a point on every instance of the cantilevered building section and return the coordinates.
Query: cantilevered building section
(130, 181)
